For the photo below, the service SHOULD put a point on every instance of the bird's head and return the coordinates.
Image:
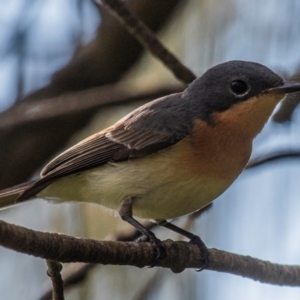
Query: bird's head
(238, 91)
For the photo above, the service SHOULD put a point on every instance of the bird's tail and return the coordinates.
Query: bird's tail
(9, 196)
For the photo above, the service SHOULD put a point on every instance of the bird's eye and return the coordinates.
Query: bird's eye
(239, 87)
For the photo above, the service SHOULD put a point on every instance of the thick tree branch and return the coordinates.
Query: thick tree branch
(180, 255)
(148, 40)
(79, 275)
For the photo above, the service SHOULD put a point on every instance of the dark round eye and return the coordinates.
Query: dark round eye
(239, 87)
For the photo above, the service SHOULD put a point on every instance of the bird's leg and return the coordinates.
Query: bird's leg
(194, 239)
(125, 212)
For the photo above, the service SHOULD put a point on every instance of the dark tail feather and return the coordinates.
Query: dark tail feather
(9, 196)
(33, 189)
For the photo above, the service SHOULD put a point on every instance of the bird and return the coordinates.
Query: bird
(170, 157)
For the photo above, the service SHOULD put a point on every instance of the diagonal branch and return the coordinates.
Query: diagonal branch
(148, 40)
(112, 52)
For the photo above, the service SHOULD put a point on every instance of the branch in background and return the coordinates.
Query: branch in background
(270, 157)
(145, 289)
(102, 61)
(110, 54)
(32, 112)
(147, 39)
(180, 255)
(26, 148)
(54, 269)
(31, 131)
(71, 280)
(287, 108)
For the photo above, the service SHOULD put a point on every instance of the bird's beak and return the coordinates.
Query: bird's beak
(288, 87)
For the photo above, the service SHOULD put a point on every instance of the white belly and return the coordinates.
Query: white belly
(161, 190)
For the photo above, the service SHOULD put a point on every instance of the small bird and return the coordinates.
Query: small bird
(171, 156)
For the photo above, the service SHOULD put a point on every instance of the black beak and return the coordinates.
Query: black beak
(287, 87)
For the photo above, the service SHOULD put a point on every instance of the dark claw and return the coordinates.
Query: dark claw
(204, 251)
(160, 250)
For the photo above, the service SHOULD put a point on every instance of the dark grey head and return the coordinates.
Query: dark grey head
(228, 83)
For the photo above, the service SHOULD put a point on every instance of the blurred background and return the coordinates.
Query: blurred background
(68, 69)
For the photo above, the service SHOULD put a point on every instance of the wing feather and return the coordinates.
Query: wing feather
(150, 128)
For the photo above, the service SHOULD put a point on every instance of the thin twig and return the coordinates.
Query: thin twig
(54, 269)
(72, 279)
(271, 157)
(146, 37)
(180, 254)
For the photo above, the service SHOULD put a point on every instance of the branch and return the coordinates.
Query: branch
(53, 272)
(147, 39)
(287, 108)
(72, 279)
(289, 104)
(82, 272)
(180, 255)
(271, 157)
(110, 54)
(31, 112)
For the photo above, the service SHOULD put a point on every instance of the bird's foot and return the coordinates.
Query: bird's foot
(160, 249)
(125, 212)
(205, 255)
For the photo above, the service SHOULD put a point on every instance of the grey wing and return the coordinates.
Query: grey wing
(91, 152)
(154, 126)
(150, 128)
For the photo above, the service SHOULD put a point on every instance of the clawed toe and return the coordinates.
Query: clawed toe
(204, 251)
